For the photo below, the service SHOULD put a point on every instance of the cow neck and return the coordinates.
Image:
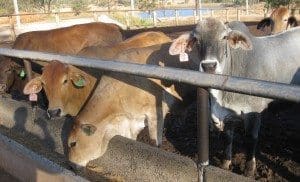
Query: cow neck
(228, 58)
(90, 95)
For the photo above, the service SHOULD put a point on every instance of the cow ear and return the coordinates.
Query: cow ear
(78, 80)
(88, 129)
(292, 22)
(33, 86)
(263, 23)
(184, 42)
(238, 39)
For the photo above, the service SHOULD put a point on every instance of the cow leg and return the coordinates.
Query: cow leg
(228, 137)
(28, 69)
(230, 123)
(252, 127)
(155, 127)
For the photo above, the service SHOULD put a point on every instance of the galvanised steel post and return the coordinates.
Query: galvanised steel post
(202, 131)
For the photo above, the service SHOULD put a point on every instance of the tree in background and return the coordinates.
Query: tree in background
(6, 7)
(277, 3)
(44, 4)
(146, 4)
(78, 6)
(106, 3)
(36, 5)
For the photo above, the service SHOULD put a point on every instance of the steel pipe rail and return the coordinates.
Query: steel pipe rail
(222, 82)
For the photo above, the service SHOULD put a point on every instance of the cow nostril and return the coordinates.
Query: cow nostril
(209, 65)
(72, 144)
(53, 113)
(58, 112)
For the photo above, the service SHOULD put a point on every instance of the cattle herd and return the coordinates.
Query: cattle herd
(110, 104)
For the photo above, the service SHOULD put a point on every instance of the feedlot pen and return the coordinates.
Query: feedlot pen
(279, 149)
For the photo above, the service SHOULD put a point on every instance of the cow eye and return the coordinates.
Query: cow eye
(72, 144)
(225, 37)
(65, 81)
(285, 20)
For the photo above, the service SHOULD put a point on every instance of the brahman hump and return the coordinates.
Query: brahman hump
(230, 49)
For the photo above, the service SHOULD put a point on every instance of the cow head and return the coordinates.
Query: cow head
(84, 144)
(213, 40)
(66, 88)
(279, 20)
(88, 141)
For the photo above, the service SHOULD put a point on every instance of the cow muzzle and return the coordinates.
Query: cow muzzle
(54, 113)
(208, 66)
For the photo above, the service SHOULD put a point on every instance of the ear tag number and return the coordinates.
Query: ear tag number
(183, 57)
(33, 97)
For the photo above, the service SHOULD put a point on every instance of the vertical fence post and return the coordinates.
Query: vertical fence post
(247, 7)
(28, 69)
(265, 12)
(16, 7)
(195, 16)
(176, 16)
(211, 12)
(238, 14)
(202, 131)
(57, 18)
(127, 20)
(227, 13)
(200, 14)
(95, 16)
(12, 28)
(293, 10)
(154, 18)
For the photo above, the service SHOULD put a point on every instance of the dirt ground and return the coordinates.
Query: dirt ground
(278, 150)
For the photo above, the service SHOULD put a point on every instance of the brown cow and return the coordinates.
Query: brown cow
(64, 85)
(64, 101)
(279, 20)
(140, 40)
(124, 104)
(68, 40)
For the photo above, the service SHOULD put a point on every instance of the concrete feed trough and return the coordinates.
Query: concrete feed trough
(125, 160)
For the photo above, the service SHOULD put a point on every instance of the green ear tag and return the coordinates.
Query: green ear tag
(80, 82)
(88, 129)
(22, 74)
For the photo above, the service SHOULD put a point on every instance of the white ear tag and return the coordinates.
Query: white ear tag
(33, 97)
(183, 57)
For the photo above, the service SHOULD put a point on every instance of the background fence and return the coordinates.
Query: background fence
(127, 19)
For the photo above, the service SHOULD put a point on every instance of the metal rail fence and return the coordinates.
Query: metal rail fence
(151, 17)
(196, 78)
